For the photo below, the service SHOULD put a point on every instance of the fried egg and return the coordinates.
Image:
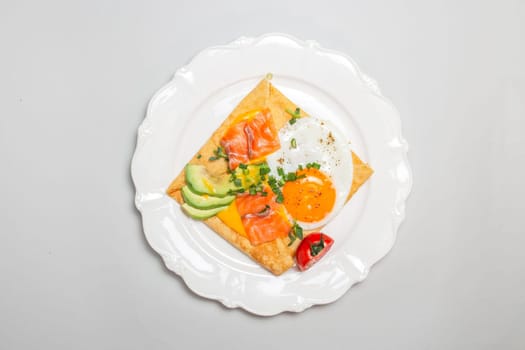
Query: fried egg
(321, 157)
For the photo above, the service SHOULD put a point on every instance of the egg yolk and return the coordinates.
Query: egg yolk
(310, 198)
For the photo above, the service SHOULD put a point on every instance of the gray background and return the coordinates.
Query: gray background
(75, 269)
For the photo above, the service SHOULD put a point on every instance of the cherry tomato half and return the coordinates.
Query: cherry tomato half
(312, 248)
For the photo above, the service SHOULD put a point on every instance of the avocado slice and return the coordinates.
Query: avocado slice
(204, 201)
(201, 214)
(200, 182)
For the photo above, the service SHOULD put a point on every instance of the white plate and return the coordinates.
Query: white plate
(185, 112)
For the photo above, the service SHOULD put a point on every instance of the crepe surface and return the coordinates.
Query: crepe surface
(276, 256)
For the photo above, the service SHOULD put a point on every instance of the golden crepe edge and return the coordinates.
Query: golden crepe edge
(276, 256)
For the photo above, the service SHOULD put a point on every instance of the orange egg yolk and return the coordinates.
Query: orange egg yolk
(310, 198)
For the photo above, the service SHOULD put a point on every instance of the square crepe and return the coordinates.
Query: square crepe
(276, 255)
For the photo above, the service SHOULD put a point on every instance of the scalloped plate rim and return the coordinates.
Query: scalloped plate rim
(404, 189)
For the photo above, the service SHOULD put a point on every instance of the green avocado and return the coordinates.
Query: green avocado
(201, 214)
(204, 201)
(200, 182)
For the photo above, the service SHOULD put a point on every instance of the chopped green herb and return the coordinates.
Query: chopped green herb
(276, 188)
(218, 153)
(237, 182)
(314, 165)
(293, 143)
(291, 177)
(300, 167)
(280, 171)
(199, 156)
(252, 190)
(244, 169)
(295, 115)
(264, 193)
(296, 232)
(236, 191)
(264, 169)
(292, 238)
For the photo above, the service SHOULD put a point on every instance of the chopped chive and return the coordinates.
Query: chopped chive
(236, 191)
(263, 170)
(295, 115)
(296, 232)
(293, 143)
(218, 153)
(279, 198)
(237, 182)
(292, 238)
(199, 156)
(244, 169)
(314, 165)
(290, 112)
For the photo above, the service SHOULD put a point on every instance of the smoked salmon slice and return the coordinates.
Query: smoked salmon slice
(262, 217)
(251, 139)
(265, 228)
(262, 135)
(235, 145)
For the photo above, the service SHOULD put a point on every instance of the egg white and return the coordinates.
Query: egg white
(321, 142)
